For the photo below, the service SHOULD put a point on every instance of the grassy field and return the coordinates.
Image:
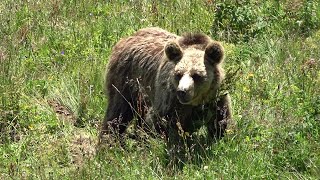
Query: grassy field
(52, 60)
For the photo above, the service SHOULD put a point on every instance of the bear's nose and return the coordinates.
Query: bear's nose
(181, 94)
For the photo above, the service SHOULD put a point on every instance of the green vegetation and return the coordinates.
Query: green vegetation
(52, 60)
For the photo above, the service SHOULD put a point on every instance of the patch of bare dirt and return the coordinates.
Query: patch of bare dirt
(62, 111)
(82, 147)
(82, 144)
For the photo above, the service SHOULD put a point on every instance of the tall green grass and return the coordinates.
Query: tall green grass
(53, 55)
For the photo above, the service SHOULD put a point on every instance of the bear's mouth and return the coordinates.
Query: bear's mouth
(184, 97)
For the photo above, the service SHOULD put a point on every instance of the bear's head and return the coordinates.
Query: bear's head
(197, 73)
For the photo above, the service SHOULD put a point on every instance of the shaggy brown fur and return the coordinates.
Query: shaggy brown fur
(168, 81)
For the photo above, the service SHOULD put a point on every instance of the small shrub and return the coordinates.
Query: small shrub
(243, 20)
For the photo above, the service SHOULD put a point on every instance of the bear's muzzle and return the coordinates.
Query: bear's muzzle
(185, 90)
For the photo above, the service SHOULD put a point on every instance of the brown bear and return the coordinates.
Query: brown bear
(170, 83)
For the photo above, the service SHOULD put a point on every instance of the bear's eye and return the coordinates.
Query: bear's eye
(196, 77)
(178, 76)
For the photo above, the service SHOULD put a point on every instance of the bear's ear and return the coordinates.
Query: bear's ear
(214, 52)
(173, 51)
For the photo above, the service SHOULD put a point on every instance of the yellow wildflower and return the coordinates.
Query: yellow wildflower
(250, 75)
(245, 89)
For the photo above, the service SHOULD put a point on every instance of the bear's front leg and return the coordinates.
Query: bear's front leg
(153, 124)
(175, 148)
(218, 123)
(178, 146)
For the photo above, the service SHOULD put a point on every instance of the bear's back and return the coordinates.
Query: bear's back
(138, 58)
(141, 47)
